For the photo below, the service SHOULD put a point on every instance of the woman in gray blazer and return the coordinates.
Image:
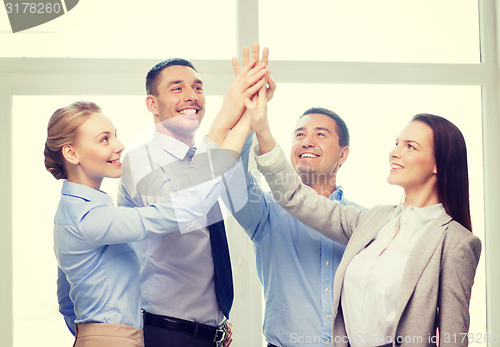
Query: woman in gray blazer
(407, 271)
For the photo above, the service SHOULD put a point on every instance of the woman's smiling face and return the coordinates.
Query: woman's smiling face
(413, 164)
(98, 149)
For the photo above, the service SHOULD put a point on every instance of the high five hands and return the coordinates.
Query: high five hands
(255, 115)
(271, 87)
(245, 105)
(253, 108)
(248, 81)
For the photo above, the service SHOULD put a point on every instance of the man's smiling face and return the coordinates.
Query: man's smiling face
(315, 146)
(179, 103)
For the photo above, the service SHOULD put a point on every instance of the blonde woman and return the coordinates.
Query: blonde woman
(91, 235)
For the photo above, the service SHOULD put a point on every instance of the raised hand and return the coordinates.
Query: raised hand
(271, 85)
(253, 85)
(246, 83)
(254, 118)
(256, 110)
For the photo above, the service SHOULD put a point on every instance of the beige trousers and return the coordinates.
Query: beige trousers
(108, 335)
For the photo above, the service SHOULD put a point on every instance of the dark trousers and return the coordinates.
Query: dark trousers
(161, 337)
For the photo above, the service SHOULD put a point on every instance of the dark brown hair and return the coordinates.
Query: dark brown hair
(451, 164)
(152, 76)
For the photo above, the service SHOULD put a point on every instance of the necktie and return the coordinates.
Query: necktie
(223, 275)
(190, 154)
(222, 263)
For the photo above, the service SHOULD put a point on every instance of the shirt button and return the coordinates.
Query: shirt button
(327, 290)
(327, 316)
(327, 262)
(327, 343)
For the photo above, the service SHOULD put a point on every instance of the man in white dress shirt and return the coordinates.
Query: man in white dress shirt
(182, 300)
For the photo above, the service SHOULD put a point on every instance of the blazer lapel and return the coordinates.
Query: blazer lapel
(418, 260)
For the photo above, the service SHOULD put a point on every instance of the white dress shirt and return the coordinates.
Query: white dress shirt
(373, 277)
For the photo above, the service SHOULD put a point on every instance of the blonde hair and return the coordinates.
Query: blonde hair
(61, 131)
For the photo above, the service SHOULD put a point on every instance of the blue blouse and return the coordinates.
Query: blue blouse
(91, 238)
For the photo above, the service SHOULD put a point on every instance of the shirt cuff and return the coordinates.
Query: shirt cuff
(269, 159)
(273, 162)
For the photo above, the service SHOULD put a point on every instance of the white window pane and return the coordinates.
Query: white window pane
(375, 116)
(442, 31)
(131, 29)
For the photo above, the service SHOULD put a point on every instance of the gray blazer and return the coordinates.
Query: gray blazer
(436, 285)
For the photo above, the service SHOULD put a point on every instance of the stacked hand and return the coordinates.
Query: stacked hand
(255, 115)
(255, 57)
(249, 79)
(246, 84)
(245, 105)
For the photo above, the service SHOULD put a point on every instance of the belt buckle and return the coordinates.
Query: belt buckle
(220, 334)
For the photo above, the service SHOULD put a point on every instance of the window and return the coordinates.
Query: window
(154, 29)
(380, 61)
(411, 31)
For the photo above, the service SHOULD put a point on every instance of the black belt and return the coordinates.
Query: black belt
(194, 329)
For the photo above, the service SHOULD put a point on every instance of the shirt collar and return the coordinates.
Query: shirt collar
(337, 195)
(85, 192)
(421, 213)
(170, 145)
